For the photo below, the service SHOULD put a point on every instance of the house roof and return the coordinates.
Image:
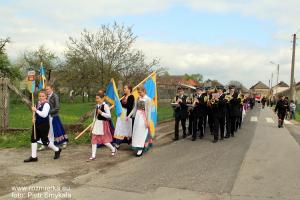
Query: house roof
(211, 83)
(282, 84)
(175, 80)
(259, 85)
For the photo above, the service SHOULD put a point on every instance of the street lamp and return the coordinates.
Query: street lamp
(277, 73)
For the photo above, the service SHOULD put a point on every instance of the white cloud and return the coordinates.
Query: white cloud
(31, 23)
(220, 62)
(284, 13)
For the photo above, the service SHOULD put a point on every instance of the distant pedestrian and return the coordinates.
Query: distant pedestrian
(263, 102)
(281, 109)
(293, 110)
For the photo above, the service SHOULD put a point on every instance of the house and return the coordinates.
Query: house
(281, 86)
(260, 89)
(167, 85)
(211, 83)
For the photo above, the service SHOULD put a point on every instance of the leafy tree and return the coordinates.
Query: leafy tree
(33, 60)
(235, 83)
(6, 69)
(197, 77)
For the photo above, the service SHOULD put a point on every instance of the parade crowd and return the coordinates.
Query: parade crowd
(222, 111)
(132, 126)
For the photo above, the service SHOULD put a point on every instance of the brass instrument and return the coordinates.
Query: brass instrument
(228, 97)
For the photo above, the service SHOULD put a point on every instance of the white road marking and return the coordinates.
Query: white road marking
(287, 122)
(270, 120)
(253, 119)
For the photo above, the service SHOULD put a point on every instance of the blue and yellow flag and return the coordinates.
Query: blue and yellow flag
(112, 97)
(42, 81)
(151, 91)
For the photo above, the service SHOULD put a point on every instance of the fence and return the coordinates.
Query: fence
(4, 103)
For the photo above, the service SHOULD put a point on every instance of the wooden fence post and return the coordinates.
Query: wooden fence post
(4, 103)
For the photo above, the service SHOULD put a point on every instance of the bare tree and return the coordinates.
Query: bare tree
(109, 53)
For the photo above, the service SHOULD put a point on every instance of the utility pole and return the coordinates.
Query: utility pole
(292, 83)
(277, 76)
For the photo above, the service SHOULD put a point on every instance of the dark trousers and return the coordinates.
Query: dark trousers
(228, 125)
(198, 123)
(191, 121)
(182, 120)
(233, 124)
(42, 131)
(281, 117)
(211, 123)
(219, 124)
(204, 121)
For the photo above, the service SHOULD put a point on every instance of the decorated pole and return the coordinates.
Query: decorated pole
(31, 88)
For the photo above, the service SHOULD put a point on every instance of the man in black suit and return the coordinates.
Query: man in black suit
(219, 112)
(235, 104)
(199, 112)
(181, 112)
(281, 109)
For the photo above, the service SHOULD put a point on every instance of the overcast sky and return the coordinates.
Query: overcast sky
(221, 39)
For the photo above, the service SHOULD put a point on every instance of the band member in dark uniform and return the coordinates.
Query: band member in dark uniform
(191, 114)
(218, 104)
(235, 112)
(228, 97)
(206, 111)
(209, 111)
(199, 112)
(181, 112)
(281, 109)
(240, 118)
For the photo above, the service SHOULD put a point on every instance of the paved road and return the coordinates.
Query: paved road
(261, 162)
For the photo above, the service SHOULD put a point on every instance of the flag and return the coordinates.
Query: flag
(112, 97)
(42, 81)
(31, 81)
(151, 91)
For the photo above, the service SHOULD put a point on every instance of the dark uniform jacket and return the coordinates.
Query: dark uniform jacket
(200, 108)
(235, 105)
(219, 107)
(182, 110)
(282, 106)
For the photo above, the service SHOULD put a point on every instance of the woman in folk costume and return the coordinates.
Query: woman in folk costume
(41, 121)
(57, 133)
(100, 129)
(123, 131)
(141, 137)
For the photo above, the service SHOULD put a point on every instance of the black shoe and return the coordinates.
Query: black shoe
(175, 139)
(184, 136)
(31, 159)
(201, 136)
(139, 155)
(194, 139)
(227, 136)
(232, 135)
(57, 154)
(214, 141)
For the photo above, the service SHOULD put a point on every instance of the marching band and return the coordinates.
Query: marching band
(223, 111)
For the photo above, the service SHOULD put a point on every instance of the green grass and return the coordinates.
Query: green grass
(298, 116)
(20, 117)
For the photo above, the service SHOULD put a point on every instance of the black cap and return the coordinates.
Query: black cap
(199, 88)
(220, 87)
(179, 88)
(207, 88)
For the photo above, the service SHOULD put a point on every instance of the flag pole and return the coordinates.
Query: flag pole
(80, 134)
(33, 116)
